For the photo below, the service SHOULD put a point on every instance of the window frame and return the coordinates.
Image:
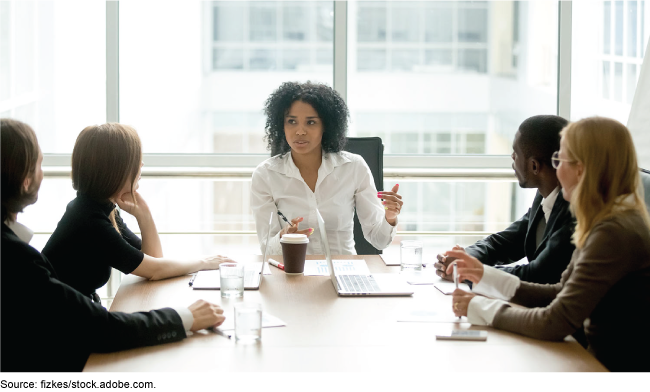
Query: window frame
(436, 167)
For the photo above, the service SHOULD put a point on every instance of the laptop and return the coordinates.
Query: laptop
(366, 285)
(253, 272)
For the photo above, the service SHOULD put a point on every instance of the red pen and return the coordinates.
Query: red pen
(276, 264)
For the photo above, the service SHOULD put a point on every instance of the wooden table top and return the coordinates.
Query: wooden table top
(325, 332)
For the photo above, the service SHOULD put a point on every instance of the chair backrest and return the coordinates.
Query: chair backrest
(372, 151)
(645, 182)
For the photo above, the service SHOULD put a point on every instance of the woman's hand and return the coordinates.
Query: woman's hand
(460, 302)
(392, 204)
(294, 229)
(469, 268)
(206, 315)
(444, 262)
(213, 262)
(138, 207)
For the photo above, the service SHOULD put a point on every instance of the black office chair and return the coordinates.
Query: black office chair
(372, 151)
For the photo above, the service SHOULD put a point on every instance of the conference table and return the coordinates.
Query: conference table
(325, 332)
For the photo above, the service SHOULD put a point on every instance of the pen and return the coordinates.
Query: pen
(219, 332)
(456, 279)
(276, 264)
(192, 280)
(284, 218)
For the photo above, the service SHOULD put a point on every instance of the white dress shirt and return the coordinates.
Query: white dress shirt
(549, 202)
(497, 284)
(344, 182)
(25, 234)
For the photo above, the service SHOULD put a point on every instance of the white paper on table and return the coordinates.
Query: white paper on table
(268, 321)
(430, 316)
(341, 267)
(390, 260)
(447, 288)
(426, 277)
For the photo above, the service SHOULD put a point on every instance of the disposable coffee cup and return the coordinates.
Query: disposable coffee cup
(294, 249)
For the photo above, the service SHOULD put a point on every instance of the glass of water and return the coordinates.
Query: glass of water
(248, 322)
(411, 256)
(232, 280)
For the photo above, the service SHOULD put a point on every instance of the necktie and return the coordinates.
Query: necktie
(541, 227)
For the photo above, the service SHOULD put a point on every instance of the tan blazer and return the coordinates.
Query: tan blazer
(606, 288)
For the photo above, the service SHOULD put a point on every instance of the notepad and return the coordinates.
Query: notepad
(341, 267)
(388, 260)
(430, 316)
(447, 288)
(268, 321)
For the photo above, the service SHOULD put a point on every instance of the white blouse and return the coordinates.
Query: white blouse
(344, 182)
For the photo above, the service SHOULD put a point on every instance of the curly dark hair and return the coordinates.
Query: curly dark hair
(329, 105)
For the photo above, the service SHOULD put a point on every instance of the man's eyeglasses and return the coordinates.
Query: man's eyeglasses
(555, 160)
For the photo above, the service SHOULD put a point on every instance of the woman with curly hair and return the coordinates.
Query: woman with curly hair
(306, 126)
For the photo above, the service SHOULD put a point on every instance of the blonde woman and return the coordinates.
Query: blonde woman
(606, 287)
(91, 238)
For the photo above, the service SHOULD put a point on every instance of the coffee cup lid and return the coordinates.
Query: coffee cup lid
(294, 239)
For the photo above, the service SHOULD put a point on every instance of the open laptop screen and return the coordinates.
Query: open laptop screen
(326, 248)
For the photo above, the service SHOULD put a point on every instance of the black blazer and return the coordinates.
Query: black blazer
(548, 261)
(49, 326)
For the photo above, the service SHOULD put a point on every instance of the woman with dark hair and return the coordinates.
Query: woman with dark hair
(91, 238)
(306, 126)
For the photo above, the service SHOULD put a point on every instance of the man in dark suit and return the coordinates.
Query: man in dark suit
(47, 325)
(543, 234)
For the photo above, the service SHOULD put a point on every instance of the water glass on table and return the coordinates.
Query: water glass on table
(411, 256)
(232, 280)
(248, 322)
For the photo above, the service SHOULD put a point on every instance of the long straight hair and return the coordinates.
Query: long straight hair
(19, 156)
(610, 183)
(104, 158)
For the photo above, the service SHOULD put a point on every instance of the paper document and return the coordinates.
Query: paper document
(447, 288)
(425, 277)
(268, 321)
(431, 316)
(388, 260)
(341, 267)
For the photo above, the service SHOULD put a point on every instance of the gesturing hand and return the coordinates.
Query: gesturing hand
(138, 207)
(469, 268)
(294, 229)
(460, 302)
(206, 315)
(392, 204)
(444, 262)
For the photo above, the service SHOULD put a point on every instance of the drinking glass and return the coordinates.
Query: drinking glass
(248, 322)
(411, 256)
(232, 280)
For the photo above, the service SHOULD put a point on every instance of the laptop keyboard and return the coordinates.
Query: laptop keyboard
(358, 283)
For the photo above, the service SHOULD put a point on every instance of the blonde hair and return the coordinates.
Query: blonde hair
(610, 183)
(104, 158)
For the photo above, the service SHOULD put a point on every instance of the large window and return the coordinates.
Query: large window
(451, 78)
(195, 80)
(52, 68)
(412, 36)
(609, 42)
